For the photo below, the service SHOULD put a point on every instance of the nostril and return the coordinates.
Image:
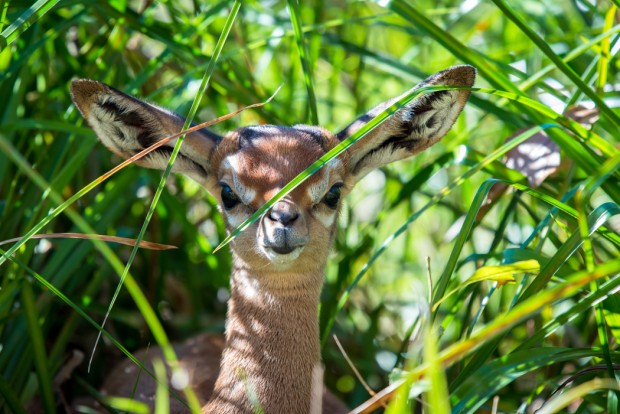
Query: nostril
(284, 217)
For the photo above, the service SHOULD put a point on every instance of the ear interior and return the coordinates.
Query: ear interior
(126, 126)
(414, 127)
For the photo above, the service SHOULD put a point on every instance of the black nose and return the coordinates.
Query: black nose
(284, 213)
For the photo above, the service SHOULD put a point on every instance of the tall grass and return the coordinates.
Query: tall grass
(453, 275)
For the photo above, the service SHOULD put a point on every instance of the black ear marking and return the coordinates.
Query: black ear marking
(413, 127)
(119, 133)
(146, 138)
(127, 125)
(126, 116)
(109, 106)
(430, 122)
(132, 119)
(166, 152)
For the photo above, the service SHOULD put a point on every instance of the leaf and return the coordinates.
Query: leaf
(437, 394)
(127, 405)
(538, 157)
(518, 314)
(501, 274)
(563, 400)
(490, 378)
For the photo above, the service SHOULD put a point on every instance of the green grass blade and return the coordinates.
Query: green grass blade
(546, 49)
(87, 318)
(501, 274)
(526, 309)
(333, 153)
(605, 290)
(501, 324)
(130, 283)
(437, 395)
(596, 219)
(439, 290)
(164, 343)
(162, 399)
(572, 55)
(577, 393)
(27, 19)
(293, 7)
(38, 345)
(497, 374)
(10, 398)
(461, 51)
(605, 46)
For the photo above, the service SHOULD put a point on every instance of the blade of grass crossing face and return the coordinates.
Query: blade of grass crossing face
(333, 153)
(340, 148)
(166, 347)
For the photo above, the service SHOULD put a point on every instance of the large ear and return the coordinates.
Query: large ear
(414, 127)
(126, 126)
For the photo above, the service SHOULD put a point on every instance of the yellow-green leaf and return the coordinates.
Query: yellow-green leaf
(501, 274)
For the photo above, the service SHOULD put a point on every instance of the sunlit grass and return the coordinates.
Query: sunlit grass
(516, 342)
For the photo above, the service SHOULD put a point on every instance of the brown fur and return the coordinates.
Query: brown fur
(271, 355)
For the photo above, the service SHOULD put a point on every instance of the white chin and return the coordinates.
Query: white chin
(283, 259)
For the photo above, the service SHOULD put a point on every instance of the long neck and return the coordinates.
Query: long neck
(272, 358)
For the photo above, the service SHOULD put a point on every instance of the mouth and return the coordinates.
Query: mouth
(282, 255)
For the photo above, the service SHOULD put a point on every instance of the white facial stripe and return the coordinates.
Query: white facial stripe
(317, 190)
(326, 217)
(247, 195)
(235, 218)
(231, 165)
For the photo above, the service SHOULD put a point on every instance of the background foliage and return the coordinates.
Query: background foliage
(548, 339)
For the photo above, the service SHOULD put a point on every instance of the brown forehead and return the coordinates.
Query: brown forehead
(273, 155)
